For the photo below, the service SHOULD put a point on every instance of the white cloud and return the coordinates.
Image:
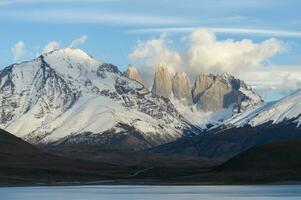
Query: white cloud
(54, 45)
(50, 46)
(155, 52)
(266, 32)
(240, 31)
(289, 84)
(205, 54)
(274, 81)
(79, 41)
(18, 50)
(80, 16)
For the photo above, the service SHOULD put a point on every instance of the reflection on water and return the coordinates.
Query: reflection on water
(269, 192)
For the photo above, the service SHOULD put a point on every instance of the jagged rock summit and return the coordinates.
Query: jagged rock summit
(202, 83)
(210, 92)
(177, 86)
(181, 88)
(162, 82)
(66, 97)
(133, 74)
(215, 92)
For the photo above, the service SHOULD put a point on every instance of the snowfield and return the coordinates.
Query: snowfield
(288, 108)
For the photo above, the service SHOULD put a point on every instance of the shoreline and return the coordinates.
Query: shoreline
(144, 183)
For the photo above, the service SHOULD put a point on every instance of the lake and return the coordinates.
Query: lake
(267, 192)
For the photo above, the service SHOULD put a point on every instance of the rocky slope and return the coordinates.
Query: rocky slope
(67, 97)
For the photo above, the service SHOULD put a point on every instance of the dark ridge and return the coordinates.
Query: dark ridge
(24, 163)
(228, 142)
(284, 155)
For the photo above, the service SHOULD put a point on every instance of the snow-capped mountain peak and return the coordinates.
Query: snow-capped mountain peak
(286, 109)
(71, 53)
(72, 62)
(67, 97)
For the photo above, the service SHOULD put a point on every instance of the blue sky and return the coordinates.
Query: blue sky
(113, 27)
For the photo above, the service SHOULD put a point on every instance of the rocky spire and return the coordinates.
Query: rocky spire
(212, 93)
(133, 74)
(218, 96)
(163, 82)
(181, 88)
(202, 83)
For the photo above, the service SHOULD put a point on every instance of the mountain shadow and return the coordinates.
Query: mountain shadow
(226, 142)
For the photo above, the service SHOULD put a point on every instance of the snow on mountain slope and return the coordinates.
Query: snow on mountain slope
(288, 108)
(66, 96)
(250, 98)
(201, 118)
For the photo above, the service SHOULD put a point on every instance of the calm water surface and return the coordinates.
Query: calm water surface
(152, 192)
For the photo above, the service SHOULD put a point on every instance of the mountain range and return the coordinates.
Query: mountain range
(264, 123)
(68, 97)
(69, 104)
(24, 164)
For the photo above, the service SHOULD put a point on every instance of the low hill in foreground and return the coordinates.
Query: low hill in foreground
(24, 163)
(273, 162)
(276, 162)
(283, 155)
